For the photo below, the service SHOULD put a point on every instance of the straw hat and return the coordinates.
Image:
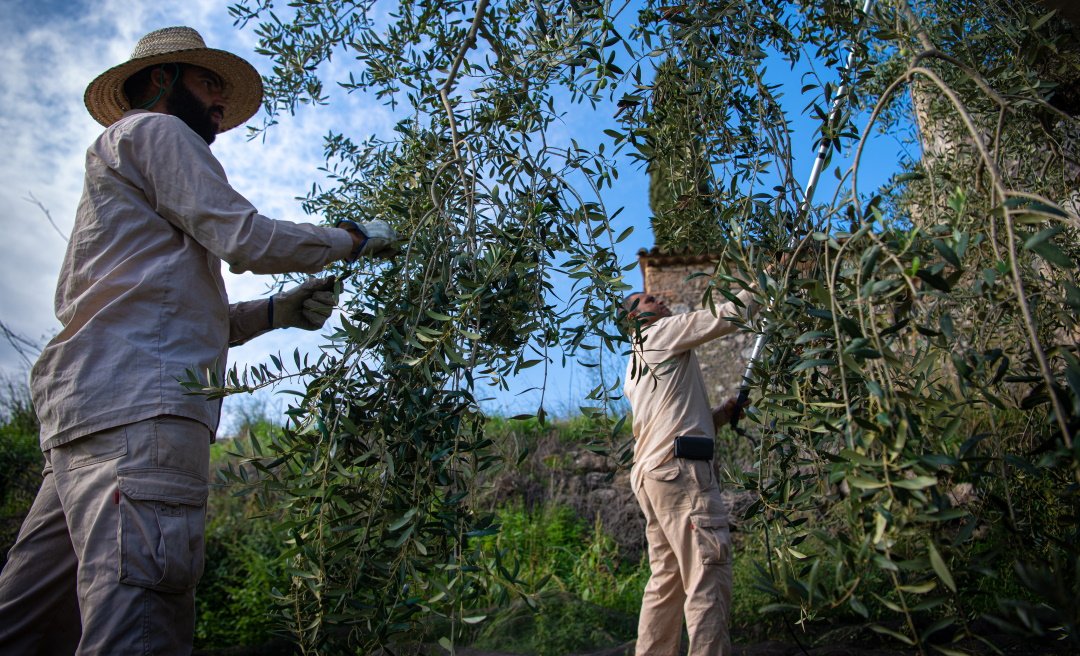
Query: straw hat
(105, 97)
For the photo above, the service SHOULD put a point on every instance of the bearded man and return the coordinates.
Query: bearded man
(108, 558)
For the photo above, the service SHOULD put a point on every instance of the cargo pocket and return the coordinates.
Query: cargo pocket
(712, 538)
(665, 473)
(162, 517)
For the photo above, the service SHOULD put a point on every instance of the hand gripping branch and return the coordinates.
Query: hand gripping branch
(804, 209)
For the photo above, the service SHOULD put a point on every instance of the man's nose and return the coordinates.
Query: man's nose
(220, 97)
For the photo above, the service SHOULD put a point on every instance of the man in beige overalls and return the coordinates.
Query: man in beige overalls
(686, 520)
(107, 560)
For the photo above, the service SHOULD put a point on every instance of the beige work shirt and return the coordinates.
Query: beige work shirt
(140, 295)
(669, 398)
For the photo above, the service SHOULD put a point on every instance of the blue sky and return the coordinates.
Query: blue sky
(53, 49)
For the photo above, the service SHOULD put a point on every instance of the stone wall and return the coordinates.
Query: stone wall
(723, 360)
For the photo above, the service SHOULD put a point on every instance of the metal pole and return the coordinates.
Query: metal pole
(804, 208)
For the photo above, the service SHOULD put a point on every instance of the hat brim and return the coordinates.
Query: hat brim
(106, 102)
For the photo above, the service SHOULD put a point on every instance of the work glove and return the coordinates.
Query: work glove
(379, 239)
(305, 306)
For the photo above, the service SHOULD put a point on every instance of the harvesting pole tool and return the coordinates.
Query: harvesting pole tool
(804, 208)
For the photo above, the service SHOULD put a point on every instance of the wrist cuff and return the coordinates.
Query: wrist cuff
(353, 226)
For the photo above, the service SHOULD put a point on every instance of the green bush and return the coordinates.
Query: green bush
(560, 624)
(601, 577)
(749, 596)
(542, 543)
(580, 594)
(236, 599)
(21, 462)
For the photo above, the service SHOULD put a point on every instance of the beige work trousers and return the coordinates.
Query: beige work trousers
(686, 526)
(107, 560)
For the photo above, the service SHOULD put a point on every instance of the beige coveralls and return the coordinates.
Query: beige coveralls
(108, 558)
(686, 520)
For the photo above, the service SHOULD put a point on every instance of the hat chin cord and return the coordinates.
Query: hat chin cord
(164, 90)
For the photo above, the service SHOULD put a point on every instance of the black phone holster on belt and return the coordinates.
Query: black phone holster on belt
(694, 448)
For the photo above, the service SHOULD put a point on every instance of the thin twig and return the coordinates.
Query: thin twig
(974, 75)
(30, 198)
(444, 93)
(25, 348)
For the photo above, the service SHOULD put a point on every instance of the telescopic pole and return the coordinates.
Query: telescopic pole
(804, 208)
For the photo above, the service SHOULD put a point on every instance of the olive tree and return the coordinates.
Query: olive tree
(921, 390)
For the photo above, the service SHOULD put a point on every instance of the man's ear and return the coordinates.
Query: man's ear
(160, 78)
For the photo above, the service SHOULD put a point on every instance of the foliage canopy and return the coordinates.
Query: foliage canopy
(924, 381)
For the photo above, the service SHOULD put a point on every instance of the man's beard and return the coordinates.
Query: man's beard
(183, 104)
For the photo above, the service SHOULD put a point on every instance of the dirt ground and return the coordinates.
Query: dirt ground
(1002, 644)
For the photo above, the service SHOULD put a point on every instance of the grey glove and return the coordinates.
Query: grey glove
(305, 306)
(379, 239)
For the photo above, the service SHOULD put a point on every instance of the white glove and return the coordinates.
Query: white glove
(380, 240)
(305, 306)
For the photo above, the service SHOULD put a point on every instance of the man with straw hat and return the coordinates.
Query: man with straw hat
(109, 555)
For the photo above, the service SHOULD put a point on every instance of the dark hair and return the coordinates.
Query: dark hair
(137, 86)
(627, 302)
